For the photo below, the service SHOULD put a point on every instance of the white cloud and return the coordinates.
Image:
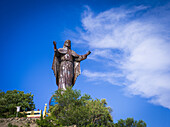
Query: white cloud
(101, 53)
(144, 46)
(110, 77)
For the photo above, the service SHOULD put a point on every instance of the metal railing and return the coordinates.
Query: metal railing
(36, 114)
(32, 114)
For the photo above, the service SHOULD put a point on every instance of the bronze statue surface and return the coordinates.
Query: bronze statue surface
(66, 65)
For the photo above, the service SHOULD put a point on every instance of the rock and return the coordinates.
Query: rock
(18, 121)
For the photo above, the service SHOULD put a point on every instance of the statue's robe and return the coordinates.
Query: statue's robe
(66, 67)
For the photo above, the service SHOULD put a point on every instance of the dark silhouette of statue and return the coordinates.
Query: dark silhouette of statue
(66, 65)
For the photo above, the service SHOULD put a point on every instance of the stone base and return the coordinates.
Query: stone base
(18, 121)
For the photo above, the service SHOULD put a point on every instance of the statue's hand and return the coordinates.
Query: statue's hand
(88, 53)
(54, 43)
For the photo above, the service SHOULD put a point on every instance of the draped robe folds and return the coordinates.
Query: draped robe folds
(66, 67)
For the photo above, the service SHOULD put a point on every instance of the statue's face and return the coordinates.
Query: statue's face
(67, 43)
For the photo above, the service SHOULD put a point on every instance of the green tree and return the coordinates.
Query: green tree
(48, 122)
(13, 98)
(74, 109)
(130, 122)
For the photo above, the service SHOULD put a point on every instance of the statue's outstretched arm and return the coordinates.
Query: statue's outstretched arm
(55, 65)
(59, 51)
(80, 57)
(55, 49)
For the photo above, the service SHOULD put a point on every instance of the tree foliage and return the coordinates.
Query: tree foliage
(13, 98)
(74, 109)
(130, 122)
(48, 122)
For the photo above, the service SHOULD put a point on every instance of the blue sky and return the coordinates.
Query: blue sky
(129, 64)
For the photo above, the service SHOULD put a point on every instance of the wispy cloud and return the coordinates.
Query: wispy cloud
(110, 77)
(137, 41)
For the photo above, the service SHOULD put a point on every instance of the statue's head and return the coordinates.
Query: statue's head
(67, 43)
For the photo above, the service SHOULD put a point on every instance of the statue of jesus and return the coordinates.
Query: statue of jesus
(66, 65)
